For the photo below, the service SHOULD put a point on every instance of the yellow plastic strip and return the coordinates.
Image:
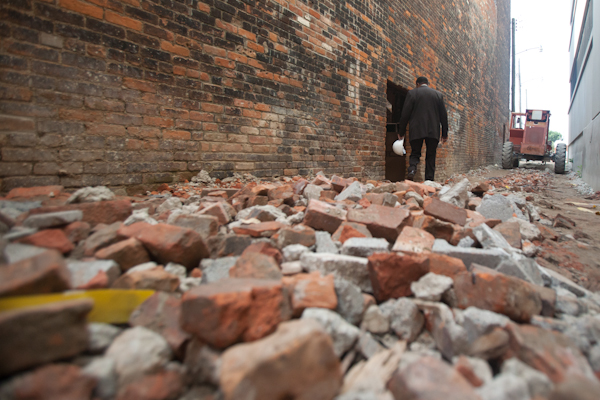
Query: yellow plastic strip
(585, 209)
(112, 306)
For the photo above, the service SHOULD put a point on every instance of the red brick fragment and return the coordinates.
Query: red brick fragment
(547, 351)
(266, 249)
(255, 265)
(284, 193)
(349, 230)
(55, 239)
(162, 385)
(127, 253)
(36, 335)
(446, 212)
(323, 216)
(430, 378)
(490, 290)
(54, 381)
(311, 290)
(105, 212)
(382, 222)
(77, 231)
(233, 310)
(168, 243)
(414, 240)
(263, 229)
(299, 234)
(44, 273)
(154, 279)
(391, 273)
(33, 192)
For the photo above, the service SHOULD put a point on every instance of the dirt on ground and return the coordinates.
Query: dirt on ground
(575, 251)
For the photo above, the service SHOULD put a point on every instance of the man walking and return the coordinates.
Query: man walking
(424, 111)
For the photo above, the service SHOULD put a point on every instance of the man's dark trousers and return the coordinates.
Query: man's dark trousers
(415, 155)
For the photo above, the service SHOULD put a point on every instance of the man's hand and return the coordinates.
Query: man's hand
(400, 137)
(444, 139)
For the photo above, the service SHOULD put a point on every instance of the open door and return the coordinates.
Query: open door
(395, 165)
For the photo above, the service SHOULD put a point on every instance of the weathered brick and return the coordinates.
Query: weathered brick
(123, 21)
(83, 8)
(9, 123)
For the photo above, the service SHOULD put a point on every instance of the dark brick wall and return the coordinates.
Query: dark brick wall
(139, 92)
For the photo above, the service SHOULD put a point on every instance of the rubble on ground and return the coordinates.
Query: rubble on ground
(293, 288)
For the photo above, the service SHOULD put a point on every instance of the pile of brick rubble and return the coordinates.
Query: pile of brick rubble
(293, 289)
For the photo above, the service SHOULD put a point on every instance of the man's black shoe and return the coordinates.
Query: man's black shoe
(411, 175)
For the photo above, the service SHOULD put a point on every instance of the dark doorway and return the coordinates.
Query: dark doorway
(395, 165)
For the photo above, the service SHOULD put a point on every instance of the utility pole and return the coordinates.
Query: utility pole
(513, 67)
(520, 85)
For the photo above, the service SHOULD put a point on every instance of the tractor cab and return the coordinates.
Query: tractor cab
(529, 140)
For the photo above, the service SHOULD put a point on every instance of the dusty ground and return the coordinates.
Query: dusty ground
(576, 252)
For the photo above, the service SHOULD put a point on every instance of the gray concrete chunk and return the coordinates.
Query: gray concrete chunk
(537, 383)
(343, 334)
(364, 247)
(499, 207)
(312, 192)
(16, 252)
(478, 322)
(216, 269)
(49, 220)
(293, 252)
(325, 244)
(263, 213)
(505, 387)
(353, 269)
(405, 318)
(91, 194)
(350, 301)
(490, 258)
(375, 321)
(555, 280)
(489, 238)
(458, 194)
(521, 267)
(431, 286)
(352, 192)
(83, 271)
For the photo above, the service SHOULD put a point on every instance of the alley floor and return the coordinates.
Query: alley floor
(576, 252)
(484, 287)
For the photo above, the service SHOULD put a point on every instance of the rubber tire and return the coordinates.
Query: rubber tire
(507, 155)
(560, 158)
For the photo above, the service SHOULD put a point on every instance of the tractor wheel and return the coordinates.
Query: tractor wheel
(508, 156)
(560, 158)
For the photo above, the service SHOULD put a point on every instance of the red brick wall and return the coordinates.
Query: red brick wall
(134, 93)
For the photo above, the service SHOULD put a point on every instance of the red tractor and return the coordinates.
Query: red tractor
(529, 140)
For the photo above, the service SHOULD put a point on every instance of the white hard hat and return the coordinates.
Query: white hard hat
(398, 147)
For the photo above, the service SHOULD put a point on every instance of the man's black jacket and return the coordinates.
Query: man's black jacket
(425, 111)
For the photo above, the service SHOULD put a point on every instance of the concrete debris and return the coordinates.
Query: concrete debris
(91, 194)
(406, 321)
(320, 288)
(505, 387)
(364, 247)
(499, 207)
(353, 192)
(458, 194)
(343, 334)
(538, 384)
(431, 286)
